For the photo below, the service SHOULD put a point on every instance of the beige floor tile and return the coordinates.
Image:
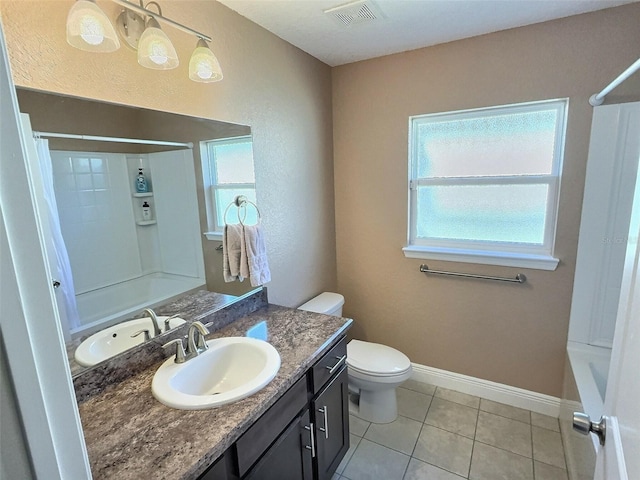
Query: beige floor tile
(458, 397)
(547, 447)
(420, 387)
(543, 471)
(491, 463)
(357, 426)
(418, 470)
(444, 449)
(412, 404)
(353, 444)
(400, 435)
(452, 417)
(504, 433)
(545, 421)
(505, 410)
(371, 461)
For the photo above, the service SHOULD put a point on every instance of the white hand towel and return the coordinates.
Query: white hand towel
(232, 241)
(254, 263)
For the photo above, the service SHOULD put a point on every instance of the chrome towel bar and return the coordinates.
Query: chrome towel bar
(519, 278)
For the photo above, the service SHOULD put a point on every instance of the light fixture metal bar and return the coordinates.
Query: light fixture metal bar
(157, 16)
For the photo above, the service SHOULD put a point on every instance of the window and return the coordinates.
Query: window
(484, 184)
(227, 167)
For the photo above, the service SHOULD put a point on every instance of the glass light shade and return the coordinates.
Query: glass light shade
(155, 50)
(89, 29)
(204, 66)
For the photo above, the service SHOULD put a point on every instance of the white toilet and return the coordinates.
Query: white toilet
(375, 371)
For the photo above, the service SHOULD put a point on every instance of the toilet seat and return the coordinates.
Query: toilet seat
(376, 360)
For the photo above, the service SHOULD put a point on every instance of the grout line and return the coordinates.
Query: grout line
(508, 418)
(533, 460)
(505, 450)
(473, 445)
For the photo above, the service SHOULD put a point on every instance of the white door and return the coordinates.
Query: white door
(31, 336)
(619, 458)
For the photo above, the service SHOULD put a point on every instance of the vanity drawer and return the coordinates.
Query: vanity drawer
(270, 425)
(329, 365)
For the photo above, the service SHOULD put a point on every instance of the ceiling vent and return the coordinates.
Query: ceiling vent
(354, 13)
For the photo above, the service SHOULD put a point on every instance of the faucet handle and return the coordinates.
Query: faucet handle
(180, 353)
(167, 321)
(147, 336)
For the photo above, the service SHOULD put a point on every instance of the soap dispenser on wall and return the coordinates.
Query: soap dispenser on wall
(141, 182)
(146, 211)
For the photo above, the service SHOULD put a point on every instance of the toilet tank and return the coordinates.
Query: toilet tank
(327, 302)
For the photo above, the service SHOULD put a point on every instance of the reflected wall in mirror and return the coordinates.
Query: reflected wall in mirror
(129, 249)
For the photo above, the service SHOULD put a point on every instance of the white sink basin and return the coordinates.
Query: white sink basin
(231, 369)
(114, 340)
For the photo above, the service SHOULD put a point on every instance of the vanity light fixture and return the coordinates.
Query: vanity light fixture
(89, 29)
(155, 50)
(204, 66)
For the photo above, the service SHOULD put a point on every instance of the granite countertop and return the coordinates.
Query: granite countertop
(130, 435)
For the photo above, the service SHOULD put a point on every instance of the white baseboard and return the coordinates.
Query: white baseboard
(516, 397)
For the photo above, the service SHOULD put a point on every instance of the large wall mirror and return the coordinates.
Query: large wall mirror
(126, 249)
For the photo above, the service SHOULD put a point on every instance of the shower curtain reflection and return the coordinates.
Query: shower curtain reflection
(61, 267)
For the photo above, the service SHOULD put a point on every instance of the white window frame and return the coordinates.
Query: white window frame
(488, 252)
(211, 186)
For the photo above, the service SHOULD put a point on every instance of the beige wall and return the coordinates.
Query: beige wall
(281, 92)
(506, 333)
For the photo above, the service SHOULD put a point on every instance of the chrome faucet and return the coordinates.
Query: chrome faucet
(196, 343)
(154, 320)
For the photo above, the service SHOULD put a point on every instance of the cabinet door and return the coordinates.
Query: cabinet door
(219, 469)
(331, 412)
(290, 457)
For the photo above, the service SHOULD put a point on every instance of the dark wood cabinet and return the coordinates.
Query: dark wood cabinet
(290, 457)
(331, 410)
(303, 436)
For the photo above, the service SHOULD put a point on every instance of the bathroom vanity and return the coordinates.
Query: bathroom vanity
(304, 435)
(296, 427)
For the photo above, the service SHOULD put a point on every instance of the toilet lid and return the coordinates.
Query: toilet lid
(376, 359)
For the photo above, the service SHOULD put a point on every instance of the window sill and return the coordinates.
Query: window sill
(523, 260)
(215, 236)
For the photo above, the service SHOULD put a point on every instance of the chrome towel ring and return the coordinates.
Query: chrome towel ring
(241, 203)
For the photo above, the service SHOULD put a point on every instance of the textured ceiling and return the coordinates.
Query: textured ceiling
(404, 24)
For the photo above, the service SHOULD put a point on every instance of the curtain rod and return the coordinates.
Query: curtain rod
(596, 100)
(112, 139)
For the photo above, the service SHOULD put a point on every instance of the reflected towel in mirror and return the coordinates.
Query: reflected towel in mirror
(232, 246)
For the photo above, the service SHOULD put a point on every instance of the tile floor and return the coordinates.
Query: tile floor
(441, 434)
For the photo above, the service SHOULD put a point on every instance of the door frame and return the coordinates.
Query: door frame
(32, 337)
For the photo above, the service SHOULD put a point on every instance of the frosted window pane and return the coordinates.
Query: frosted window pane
(234, 163)
(493, 213)
(493, 145)
(225, 196)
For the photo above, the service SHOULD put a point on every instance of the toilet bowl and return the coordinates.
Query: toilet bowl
(374, 370)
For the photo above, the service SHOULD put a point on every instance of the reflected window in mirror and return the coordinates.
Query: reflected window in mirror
(227, 167)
